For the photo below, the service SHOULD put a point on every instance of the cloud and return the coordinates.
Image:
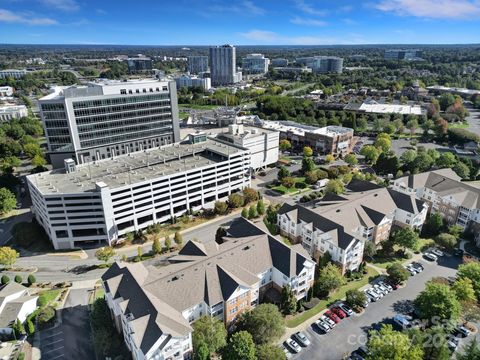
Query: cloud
(308, 22)
(64, 5)
(7, 16)
(273, 38)
(308, 9)
(242, 8)
(252, 8)
(101, 12)
(260, 35)
(436, 9)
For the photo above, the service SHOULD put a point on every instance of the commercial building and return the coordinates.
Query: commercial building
(322, 64)
(341, 224)
(197, 64)
(279, 62)
(262, 143)
(336, 140)
(191, 81)
(403, 54)
(223, 67)
(13, 73)
(6, 91)
(377, 108)
(10, 112)
(101, 202)
(255, 64)
(293, 70)
(140, 63)
(15, 304)
(445, 193)
(453, 90)
(105, 119)
(153, 307)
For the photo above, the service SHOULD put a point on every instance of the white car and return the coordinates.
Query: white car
(301, 338)
(346, 309)
(292, 344)
(380, 289)
(430, 256)
(411, 270)
(328, 321)
(377, 291)
(321, 325)
(437, 252)
(372, 294)
(385, 285)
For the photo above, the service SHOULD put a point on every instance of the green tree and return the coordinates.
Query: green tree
(446, 100)
(235, 200)
(5, 279)
(209, 331)
(455, 230)
(178, 238)
(30, 327)
(139, 253)
(371, 153)
(39, 161)
(383, 143)
(471, 271)
(470, 352)
(7, 201)
(334, 186)
(105, 253)
(250, 195)
(307, 164)
(438, 301)
(252, 212)
(245, 213)
(369, 249)
(329, 158)
(446, 240)
(388, 344)
(288, 182)
(397, 273)
(270, 352)
(406, 238)
(324, 260)
(18, 279)
(307, 151)
(433, 225)
(462, 170)
(32, 149)
(446, 160)
(220, 207)
(464, 290)
(156, 246)
(264, 322)
(168, 243)
(355, 298)
(202, 352)
(329, 279)
(285, 145)
(31, 280)
(412, 125)
(240, 346)
(283, 173)
(18, 328)
(432, 340)
(8, 256)
(351, 159)
(260, 207)
(288, 302)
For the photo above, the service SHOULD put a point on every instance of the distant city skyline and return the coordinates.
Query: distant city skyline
(244, 22)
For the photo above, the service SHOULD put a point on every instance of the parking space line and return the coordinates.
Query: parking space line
(54, 342)
(58, 357)
(46, 352)
(49, 336)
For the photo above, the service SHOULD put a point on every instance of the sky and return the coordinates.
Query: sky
(240, 22)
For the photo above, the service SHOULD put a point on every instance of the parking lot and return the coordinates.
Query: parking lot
(351, 332)
(52, 344)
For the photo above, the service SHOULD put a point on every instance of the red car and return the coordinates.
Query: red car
(392, 284)
(339, 312)
(332, 316)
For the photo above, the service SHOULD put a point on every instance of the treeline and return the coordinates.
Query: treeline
(37, 81)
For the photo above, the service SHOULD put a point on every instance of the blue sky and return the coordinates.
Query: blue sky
(242, 22)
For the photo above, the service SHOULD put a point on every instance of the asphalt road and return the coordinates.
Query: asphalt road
(474, 120)
(352, 332)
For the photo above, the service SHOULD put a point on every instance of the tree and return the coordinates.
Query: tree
(397, 273)
(355, 298)
(433, 225)
(139, 253)
(412, 125)
(209, 331)
(307, 164)
(264, 322)
(462, 170)
(351, 159)
(168, 243)
(324, 260)
(284, 145)
(260, 207)
(18, 279)
(441, 127)
(105, 253)
(438, 301)
(455, 230)
(283, 173)
(387, 164)
(31, 149)
(471, 271)
(307, 151)
(371, 153)
(220, 207)
(252, 212)
(464, 290)
(30, 327)
(470, 352)
(433, 342)
(406, 238)
(446, 160)
(18, 328)
(329, 279)
(156, 246)
(8, 256)
(5, 279)
(288, 182)
(383, 143)
(270, 352)
(202, 352)
(329, 158)
(178, 238)
(235, 200)
(334, 186)
(240, 346)
(446, 240)
(369, 250)
(446, 100)
(39, 161)
(7, 201)
(288, 302)
(31, 280)
(387, 344)
(250, 195)
(245, 213)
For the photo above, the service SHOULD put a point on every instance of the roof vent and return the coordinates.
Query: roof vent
(175, 278)
(245, 248)
(338, 210)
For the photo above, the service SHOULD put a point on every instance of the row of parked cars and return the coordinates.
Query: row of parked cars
(325, 323)
(379, 290)
(414, 268)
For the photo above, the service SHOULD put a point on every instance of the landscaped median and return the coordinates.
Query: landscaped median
(296, 320)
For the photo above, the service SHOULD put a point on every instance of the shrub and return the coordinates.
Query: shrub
(30, 328)
(300, 185)
(31, 279)
(18, 279)
(45, 316)
(5, 280)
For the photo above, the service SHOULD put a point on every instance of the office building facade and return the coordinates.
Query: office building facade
(197, 64)
(103, 120)
(13, 73)
(223, 66)
(255, 64)
(322, 64)
(101, 202)
(139, 64)
(280, 62)
(191, 81)
(403, 54)
(11, 112)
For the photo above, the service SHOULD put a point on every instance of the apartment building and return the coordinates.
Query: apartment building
(204, 279)
(109, 118)
(445, 193)
(255, 64)
(139, 63)
(403, 54)
(13, 73)
(197, 64)
(100, 202)
(280, 62)
(191, 81)
(223, 65)
(10, 112)
(336, 140)
(322, 64)
(6, 91)
(341, 224)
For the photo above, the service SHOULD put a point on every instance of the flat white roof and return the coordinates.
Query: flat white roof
(300, 129)
(391, 109)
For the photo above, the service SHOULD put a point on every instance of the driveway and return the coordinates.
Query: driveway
(352, 332)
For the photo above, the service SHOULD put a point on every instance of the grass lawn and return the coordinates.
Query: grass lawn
(458, 125)
(338, 295)
(384, 262)
(98, 292)
(48, 296)
(293, 190)
(197, 107)
(426, 243)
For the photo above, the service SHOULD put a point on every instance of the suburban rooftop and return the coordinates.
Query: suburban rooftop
(300, 129)
(134, 167)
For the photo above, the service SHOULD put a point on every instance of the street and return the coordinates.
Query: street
(351, 332)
